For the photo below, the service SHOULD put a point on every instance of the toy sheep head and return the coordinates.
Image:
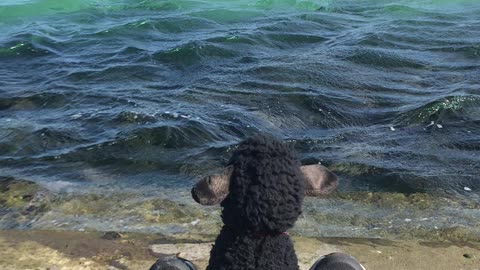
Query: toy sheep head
(213, 189)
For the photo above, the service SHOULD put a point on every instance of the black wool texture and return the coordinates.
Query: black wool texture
(265, 200)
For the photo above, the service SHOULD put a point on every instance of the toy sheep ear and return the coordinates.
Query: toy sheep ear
(319, 181)
(210, 190)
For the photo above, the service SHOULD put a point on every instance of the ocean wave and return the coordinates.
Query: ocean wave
(445, 109)
(384, 59)
(24, 49)
(286, 40)
(145, 145)
(134, 117)
(26, 143)
(193, 53)
(227, 16)
(34, 102)
(42, 8)
(154, 26)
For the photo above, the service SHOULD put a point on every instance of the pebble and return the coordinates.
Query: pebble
(467, 189)
(111, 235)
(467, 256)
(195, 222)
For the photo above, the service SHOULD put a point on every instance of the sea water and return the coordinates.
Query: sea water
(137, 99)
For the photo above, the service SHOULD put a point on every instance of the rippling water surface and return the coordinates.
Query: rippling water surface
(107, 96)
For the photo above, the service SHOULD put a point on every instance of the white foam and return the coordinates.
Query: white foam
(57, 185)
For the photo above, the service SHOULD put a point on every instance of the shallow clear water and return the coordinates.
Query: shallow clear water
(103, 95)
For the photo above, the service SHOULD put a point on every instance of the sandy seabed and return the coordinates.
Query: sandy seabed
(96, 250)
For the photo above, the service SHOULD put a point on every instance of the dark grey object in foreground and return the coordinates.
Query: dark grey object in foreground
(173, 263)
(333, 261)
(337, 261)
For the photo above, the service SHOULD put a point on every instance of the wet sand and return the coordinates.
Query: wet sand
(96, 250)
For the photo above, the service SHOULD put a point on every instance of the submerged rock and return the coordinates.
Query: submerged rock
(453, 234)
(117, 206)
(393, 200)
(15, 193)
(21, 202)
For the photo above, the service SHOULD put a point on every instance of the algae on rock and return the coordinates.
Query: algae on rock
(16, 193)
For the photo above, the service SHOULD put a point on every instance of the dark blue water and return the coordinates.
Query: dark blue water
(148, 95)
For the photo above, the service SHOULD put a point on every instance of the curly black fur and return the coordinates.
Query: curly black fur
(265, 199)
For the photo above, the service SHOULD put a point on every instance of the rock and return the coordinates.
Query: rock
(111, 235)
(467, 256)
(17, 193)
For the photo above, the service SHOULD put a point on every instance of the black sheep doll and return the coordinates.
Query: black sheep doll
(261, 192)
(264, 201)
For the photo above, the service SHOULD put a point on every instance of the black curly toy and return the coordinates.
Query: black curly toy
(261, 192)
(264, 200)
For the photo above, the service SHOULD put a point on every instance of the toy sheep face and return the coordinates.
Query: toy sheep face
(213, 189)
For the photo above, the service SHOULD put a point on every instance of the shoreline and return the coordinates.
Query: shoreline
(37, 249)
(29, 205)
